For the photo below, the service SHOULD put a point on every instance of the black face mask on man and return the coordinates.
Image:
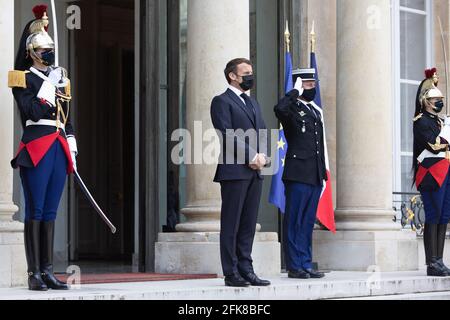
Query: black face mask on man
(247, 82)
(48, 58)
(309, 95)
(438, 106)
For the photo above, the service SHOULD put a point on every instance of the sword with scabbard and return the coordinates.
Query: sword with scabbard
(77, 176)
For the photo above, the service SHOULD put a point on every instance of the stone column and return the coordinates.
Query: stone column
(12, 254)
(367, 234)
(218, 31)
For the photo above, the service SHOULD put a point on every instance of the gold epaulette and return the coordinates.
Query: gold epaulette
(17, 79)
(418, 117)
(438, 146)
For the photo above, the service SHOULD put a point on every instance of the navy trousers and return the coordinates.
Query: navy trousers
(43, 185)
(437, 204)
(240, 205)
(302, 201)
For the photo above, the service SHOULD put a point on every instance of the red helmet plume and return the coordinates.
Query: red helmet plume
(39, 10)
(429, 73)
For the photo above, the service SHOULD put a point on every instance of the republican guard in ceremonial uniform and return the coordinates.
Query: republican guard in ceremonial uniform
(48, 147)
(304, 172)
(431, 167)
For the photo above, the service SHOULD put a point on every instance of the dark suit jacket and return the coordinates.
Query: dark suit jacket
(305, 159)
(228, 112)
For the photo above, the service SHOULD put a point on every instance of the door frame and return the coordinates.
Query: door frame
(147, 137)
(147, 206)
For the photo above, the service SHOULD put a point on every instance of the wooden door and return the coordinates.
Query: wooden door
(105, 128)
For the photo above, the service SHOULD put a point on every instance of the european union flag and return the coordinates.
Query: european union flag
(318, 99)
(277, 195)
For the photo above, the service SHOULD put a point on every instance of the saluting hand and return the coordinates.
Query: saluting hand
(299, 85)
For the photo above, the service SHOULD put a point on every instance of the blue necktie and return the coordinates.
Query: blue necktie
(248, 104)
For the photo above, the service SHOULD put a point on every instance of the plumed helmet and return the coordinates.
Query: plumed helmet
(431, 82)
(433, 93)
(39, 38)
(34, 36)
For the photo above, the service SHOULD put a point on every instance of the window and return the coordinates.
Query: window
(412, 45)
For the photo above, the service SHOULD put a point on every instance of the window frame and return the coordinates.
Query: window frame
(397, 9)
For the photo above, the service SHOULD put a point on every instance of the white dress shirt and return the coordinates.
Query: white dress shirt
(237, 92)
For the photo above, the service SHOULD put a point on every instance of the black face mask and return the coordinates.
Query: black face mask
(48, 58)
(309, 95)
(438, 106)
(247, 82)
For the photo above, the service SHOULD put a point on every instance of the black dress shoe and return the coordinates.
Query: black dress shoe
(315, 274)
(299, 274)
(255, 281)
(442, 264)
(435, 269)
(35, 282)
(52, 282)
(236, 281)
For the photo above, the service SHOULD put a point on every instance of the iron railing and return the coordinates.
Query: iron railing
(409, 211)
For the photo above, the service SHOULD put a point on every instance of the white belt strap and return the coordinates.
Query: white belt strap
(44, 122)
(427, 154)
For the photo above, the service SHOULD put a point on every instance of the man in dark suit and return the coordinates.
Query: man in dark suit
(304, 172)
(239, 172)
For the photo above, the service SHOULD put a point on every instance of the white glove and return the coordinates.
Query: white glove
(445, 132)
(447, 121)
(48, 93)
(299, 85)
(72, 142)
(57, 78)
(74, 160)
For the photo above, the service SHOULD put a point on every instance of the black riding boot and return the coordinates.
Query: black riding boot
(431, 251)
(441, 236)
(32, 252)
(47, 240)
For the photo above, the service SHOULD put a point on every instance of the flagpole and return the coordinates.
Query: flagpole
(313, 38)
(287, 37)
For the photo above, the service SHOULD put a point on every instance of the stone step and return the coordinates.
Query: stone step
(336, 285)
(417, 296)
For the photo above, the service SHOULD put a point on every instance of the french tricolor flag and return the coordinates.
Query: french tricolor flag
(325, 211)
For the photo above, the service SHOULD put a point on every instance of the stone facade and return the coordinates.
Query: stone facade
(12, 252)
(359, 132)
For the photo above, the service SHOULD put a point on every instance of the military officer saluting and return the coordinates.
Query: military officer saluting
(304, 171)
(431, 168)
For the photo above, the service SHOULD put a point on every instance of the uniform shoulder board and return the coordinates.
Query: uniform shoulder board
(17, 79)
(418, 117)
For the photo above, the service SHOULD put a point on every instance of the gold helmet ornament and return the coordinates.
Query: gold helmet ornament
(429, 85)
(39, 38)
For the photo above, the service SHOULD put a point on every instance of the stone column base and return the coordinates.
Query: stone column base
(387, 251)
(13, 265)
(199, 253)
